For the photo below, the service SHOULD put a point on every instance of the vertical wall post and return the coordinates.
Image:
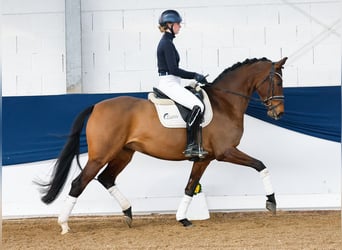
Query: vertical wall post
(73, 46)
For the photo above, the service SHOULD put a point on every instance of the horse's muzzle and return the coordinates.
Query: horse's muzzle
(274, 115)
(275, 111)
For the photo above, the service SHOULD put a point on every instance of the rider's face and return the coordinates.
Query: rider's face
(176, 27)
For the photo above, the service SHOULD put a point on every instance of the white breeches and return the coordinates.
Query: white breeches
(171, 86)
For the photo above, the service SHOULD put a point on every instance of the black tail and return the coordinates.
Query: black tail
(61, 169)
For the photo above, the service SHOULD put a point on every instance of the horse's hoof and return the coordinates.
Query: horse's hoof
(271, 206)
(65, 228)
(128, 216)
(128, 221)
(185, 223)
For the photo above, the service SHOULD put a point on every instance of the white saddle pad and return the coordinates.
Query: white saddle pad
(170, 116)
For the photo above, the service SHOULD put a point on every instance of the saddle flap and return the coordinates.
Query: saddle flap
(169, 114)
(160, 101)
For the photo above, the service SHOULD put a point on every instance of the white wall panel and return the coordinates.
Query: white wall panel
(29, 44)
(210, 63)
(125, 40)
(249, 36)
(230, 56)
(95, 42)
(31, 6)
(29, 84)
(128, 81)
(188, 39)
(53, 43)
(261, 15)
(46, 23)
(47, 63)
(306, 32)
(294, 13)
(218, 38)
(290, 76)
(271, 52)
(324, 14)
(139, 60)
(87, 20)
(149, 79)
(149, 40)
(34, 48)
(53, 83)
(107, 21)
(139, 20)
(17, 63)
(96, 81)
(280, 35)
(316, 75)
(10, 88)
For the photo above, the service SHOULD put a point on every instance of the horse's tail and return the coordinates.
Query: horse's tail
(71, 149)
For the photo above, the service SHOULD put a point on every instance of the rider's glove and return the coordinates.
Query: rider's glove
(201, 79)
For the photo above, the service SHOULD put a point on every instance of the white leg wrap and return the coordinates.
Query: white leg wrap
(183, 207)
(265, 176)
(65, 213)
(124, 203)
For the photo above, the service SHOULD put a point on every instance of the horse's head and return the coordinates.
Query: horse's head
(270, 90)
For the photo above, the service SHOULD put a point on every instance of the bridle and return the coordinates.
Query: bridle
(270, 95)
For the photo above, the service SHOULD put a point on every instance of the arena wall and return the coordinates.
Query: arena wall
(119, 39)
(118, 36)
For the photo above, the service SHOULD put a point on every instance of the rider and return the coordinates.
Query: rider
(170, 81)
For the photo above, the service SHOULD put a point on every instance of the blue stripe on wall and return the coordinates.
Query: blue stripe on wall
(314, 111)
(35, 127)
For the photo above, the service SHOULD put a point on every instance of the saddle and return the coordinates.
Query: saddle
(172, 114)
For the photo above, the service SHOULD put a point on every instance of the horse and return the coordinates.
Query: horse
(118, 127)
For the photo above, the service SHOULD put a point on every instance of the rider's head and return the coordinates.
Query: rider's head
(170, 21)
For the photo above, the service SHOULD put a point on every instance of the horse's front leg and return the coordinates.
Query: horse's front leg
(197, 171)
(233, 155)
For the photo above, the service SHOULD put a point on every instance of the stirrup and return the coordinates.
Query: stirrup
(194, 150)
(199, 152)
(188, 151)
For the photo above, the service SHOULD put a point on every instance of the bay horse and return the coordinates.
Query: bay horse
(118, 127)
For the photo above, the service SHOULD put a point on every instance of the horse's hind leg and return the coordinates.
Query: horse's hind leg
(77, 187)
(107, 179)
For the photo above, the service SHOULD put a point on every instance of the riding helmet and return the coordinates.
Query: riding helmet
(169, 16)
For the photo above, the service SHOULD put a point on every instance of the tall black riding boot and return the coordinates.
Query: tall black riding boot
(198, 149)
(194, 143)
(191, 119)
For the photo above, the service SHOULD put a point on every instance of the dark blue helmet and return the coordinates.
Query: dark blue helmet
(169, 16)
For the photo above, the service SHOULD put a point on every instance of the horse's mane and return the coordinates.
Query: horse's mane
(238, 65)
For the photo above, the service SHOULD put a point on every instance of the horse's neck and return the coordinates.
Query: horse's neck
(235, 91)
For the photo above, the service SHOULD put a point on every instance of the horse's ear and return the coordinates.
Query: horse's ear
(279, 65)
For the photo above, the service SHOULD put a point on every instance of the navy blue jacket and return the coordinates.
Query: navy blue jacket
(168, 58)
